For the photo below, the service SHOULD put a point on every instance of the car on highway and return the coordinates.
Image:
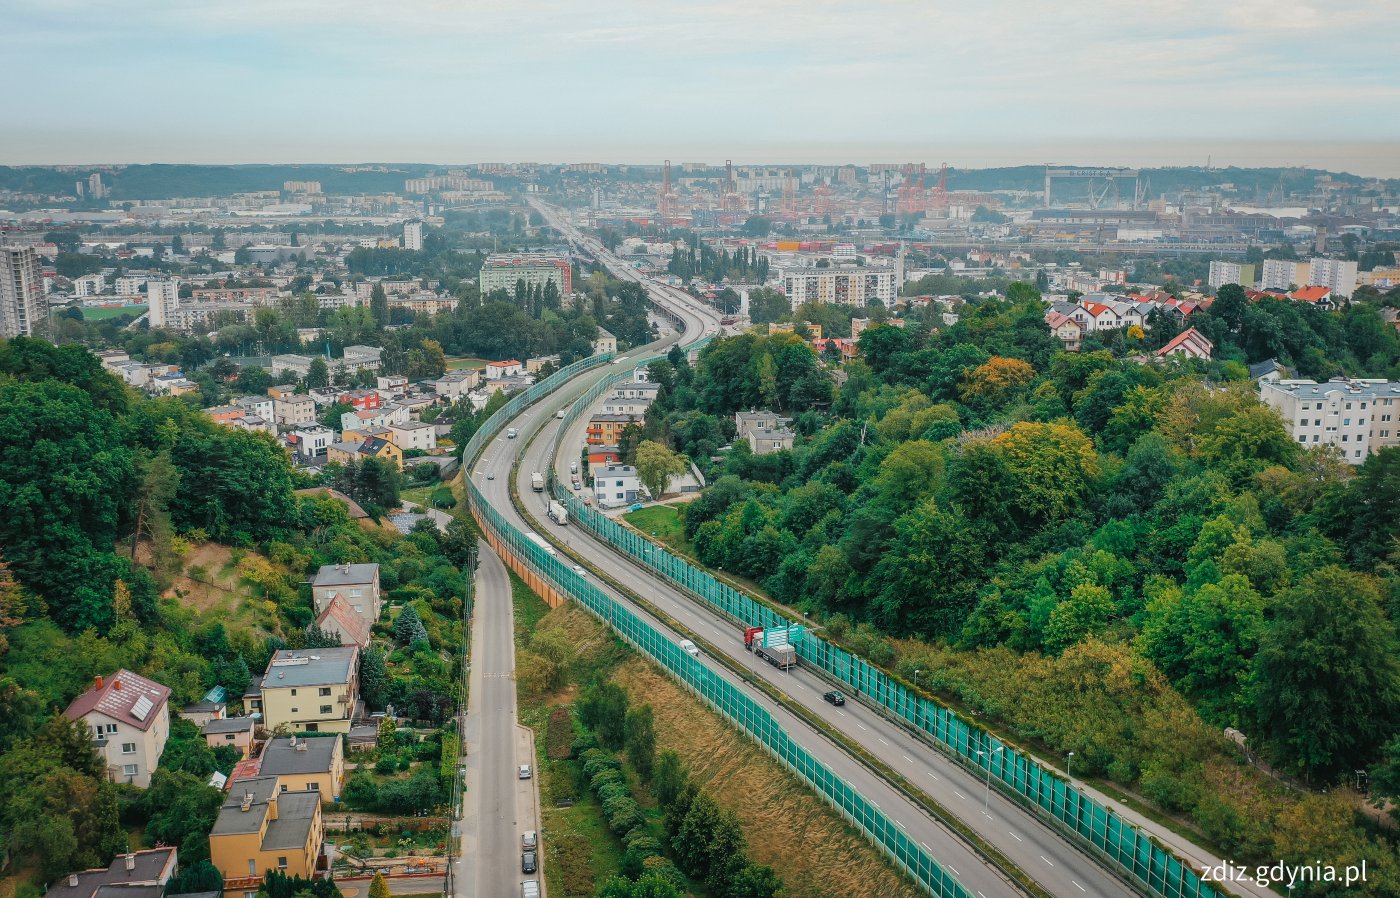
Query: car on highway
(524, 771)
(560, 415)
(527, 862)
(510, 433)
(834, 697)
(573, 467)
(490, 475)
(578, 570)
(529, 840)
(689, 648)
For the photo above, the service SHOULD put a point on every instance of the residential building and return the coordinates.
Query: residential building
(1283, 274)
(252, 296)
(130, 719)
(1190, 343)
(130, 284)
(211, 707)
(261, 828)
(89, 285)
(766, 441)
(746, 422)
(347, 451)
(1268, 371)
(234, 731)
(507, 368)
(298, 408)
(163, 299)
(424, 303)
(858, 325)
(358, 584)
(414, 435)
(639, 389)
(453, 385)
(391, 385)
(361, 400)
(139, 874)
(502, 271)
(1338, 275)
(385, 415)
(606, 430)
(313, 440)
(603, 456)
(533, 365)
(281, 391)
(635, 408)
(261, 406)
(616, 485)
(361, 358)
(1222, 273)
(300, 365)
(413, 234)
(22, 305)
(1358, 417)
(605, 343)
(304, 764)
(1317, 295)
(341, 620)
(309, 690)
(1065, 329)
(225, 414)
(841, 286)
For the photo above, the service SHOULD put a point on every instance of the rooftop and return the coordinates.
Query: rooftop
(310, 667)
(149, 869)
(124, 697)
(290, 754)
(351, 625)
(1361, 389)
(346, 574)
(228, 725)
(296, 812)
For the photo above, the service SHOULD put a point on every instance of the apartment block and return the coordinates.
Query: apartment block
(21, 291)
(1222, 273)
(502, 271)
(840, 286)
(1358, 417)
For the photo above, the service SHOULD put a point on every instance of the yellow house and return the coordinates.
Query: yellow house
(305, 764)
(309, 690)
(261, 828)
(373, 447)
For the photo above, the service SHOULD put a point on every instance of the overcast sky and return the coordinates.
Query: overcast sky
(971, 83)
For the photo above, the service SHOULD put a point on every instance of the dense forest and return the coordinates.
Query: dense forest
(104, 498)
(1107, 557)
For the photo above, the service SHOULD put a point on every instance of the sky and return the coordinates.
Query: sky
(1244, 82)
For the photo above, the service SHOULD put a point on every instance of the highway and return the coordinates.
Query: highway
(498, 806)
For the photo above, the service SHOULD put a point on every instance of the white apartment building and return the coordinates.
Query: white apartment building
(413, 435)
(1281, 274)
(1338, 275)
(616, 485)
(413, 234)
(1222, 273)
(261, 406)
(502, 271)
(163, 297)
(300, 365)
(1358, 417)
(362, 357)
(130, 284)
(21, 291)
(841, 286)
(89, 285)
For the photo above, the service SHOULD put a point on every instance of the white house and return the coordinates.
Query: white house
(130, 719)
(414, 435)
(508, 368)
(357, 584)
(616, 485)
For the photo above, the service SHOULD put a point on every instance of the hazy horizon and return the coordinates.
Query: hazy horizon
(776, 81)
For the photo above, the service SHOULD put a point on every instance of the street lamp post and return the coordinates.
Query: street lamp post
(1069, 766)
(917, 671)
(987, 799)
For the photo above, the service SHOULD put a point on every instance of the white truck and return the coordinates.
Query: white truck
(537, 482)
(558, 514)
(541, 542)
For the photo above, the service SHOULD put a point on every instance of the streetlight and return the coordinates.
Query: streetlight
(987, 800)
(916, 677)
(1069, 766)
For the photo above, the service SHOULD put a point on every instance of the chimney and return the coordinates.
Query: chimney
(116, 683)
(97, 681)
(247, 802)
(72, 880)
(130, 862)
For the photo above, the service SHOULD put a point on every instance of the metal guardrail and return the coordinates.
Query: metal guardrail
(1128, 851)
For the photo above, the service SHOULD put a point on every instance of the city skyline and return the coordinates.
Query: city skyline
(1255, 84)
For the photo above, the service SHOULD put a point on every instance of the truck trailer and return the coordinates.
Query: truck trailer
(558, 514)
(774, 645)
(537, 482)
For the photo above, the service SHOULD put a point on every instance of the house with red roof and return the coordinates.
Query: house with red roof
(339, 618)
(129, 716)
(1318, 296)
(1065, 329)
(1190, 343)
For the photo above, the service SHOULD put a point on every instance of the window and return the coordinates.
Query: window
(313, 787)
(1302, 439)
(1346, 422)
(325, 690)
(1363, 405)
(130, 770)
(1314, 438)
(1358, 453)
(128, 748)
(294, 692)
(1344, 438)
(295, 710)
(229, 737)
(325, 709)
(1317, 421)
(281, 863)
(284, 787)
(1348, 406)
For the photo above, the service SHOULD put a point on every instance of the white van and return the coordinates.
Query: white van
(689, 648)
(510, 433)
(530, 888)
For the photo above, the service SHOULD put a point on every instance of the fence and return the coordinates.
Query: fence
(1133, 854)
(725, 697)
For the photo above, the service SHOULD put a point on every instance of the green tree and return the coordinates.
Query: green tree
(603, 709)
(379, 886)
(669, 778)
(408, 626)
(1087, 610)
(639, 739)
(318, 374)
(379, 305)
(656, 465)
(1327, 676)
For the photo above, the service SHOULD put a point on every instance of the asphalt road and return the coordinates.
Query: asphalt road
(498, 805)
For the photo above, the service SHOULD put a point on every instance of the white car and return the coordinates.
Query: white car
(578, 570)
(524, 771)
(689, 648)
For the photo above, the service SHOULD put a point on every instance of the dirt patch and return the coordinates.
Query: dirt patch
(788, 827)
(210, 582)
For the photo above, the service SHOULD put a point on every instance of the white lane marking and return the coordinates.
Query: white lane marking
(985, 814)
(1079, 887)
(860, 726)
(842, 713)
(882, 741)
(1013, 835)
(980, 895)
(926, 846)
(954, 869)
(934, 775)
(1047, 860)
(907, 758)
(960, 795)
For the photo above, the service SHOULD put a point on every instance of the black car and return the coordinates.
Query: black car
(527, 862)
(834, 697)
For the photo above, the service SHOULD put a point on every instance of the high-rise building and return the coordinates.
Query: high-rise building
(502, 271)
(95, 188)
(1338, 275)
(840, 286)
(1356, 416)
(1222, 273)
(163, 298)
(1282, 274)
(21, 291)
(413, 234)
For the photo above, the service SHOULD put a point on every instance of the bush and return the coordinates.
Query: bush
(559, 735)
